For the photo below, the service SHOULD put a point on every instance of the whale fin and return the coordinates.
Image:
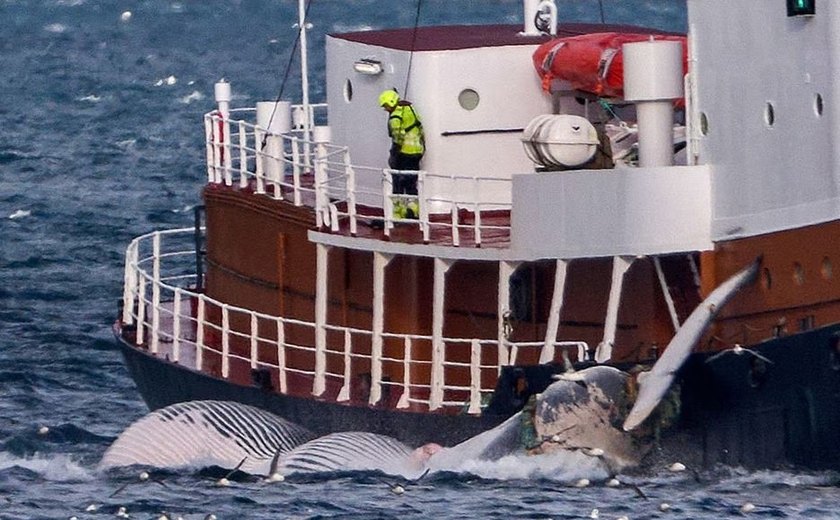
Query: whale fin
(205, 433)
(654, 386)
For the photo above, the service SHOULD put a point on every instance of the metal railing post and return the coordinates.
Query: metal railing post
(225, 341)
(388, 200)
(344, 393)
(176, 326)
(475, 378)
(130, 284)
(322, 273)
(155, 293)
(255, 334)
(141, 311)
(296, 169)
(423, 202)
(243, 156)
(406, 394)
(199, 333)
(351, 192)
(281, 355)
(208, 144)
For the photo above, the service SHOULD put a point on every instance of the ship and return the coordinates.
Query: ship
(585, 190)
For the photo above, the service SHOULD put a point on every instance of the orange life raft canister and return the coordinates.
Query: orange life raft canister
(592, 62)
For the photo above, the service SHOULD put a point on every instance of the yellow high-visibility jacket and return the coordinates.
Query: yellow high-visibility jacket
(406, 130)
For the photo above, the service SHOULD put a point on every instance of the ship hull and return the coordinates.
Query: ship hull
(162, 383)
(734, 411)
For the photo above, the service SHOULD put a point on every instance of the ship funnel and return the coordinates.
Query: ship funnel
(540, 17)
(653, 79)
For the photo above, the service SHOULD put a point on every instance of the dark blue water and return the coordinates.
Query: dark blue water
(100, 140)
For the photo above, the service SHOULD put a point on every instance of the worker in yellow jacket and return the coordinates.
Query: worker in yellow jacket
(407, 148)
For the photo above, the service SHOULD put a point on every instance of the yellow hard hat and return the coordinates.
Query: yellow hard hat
(389, 98)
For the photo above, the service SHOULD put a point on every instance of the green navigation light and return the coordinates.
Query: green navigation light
(801, 7)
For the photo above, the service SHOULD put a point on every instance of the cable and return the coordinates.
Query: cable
(411, 51)
(601, 7)
(287, 72)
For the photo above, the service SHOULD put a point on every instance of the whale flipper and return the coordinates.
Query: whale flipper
(655, 384)
(205, 433)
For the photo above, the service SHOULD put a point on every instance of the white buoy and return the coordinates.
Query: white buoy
(613, 482)
(664, 506)
(677, 467)
(748, 507)
(126, 16)
(91, 508)
(122, 512)
(144, 476)
(595, 513)
(223, 482)
(43, 430)
(582, 483)
(398, 490)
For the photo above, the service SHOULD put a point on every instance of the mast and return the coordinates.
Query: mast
(304, 69)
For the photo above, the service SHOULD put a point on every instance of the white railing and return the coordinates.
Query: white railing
(322, 176)
(186, 327)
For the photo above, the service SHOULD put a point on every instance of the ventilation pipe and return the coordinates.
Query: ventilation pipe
(223, 97)
(653, 79)
(275, 118)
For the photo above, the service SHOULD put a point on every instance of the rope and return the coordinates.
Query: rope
(287, 72)
(601, 7)
(411, 51)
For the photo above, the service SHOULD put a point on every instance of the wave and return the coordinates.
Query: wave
(55, 28)
(55, 468)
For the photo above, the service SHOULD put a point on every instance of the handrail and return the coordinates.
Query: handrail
(174, 321)
(322, 176)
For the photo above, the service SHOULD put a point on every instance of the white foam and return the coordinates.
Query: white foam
(192, 96)
(56, 468)
(168, 81)
(560, 466)
(93, 98)
(21, 213)
(56, 28)
(342, 28)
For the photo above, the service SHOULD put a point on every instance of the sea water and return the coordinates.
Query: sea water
(100, 141)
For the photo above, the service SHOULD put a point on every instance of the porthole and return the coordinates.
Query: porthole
(766, 279)
(468, 99)
(826, 269)
(798, 273)
(348, 90)
(769, 114)
(704, 123)
(818, 105)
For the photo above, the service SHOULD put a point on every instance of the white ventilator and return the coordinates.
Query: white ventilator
(653, 79)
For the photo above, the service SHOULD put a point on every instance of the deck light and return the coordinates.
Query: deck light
(801, 7)
(368, 66)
